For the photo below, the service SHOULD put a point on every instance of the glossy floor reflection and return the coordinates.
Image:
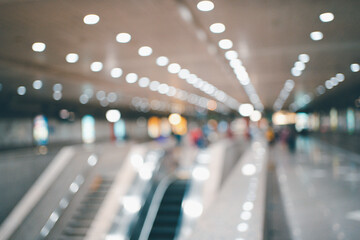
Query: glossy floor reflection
(320, 186)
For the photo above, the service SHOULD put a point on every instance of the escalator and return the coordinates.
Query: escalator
(168, 216)
(80, 222)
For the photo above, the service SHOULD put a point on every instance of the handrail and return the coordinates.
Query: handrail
(35, 193)
(154, 207)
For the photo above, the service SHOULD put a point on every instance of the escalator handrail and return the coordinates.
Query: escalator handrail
(154, 207)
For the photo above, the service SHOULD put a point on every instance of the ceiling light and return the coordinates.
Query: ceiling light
(304, 58)
(289, 85)
(320, 89)
(84, 99)
(38, 46)
(340, 77)
(21, 90)
(116, 72)
(37, 84)
(231, 55)
(217, 28)
(123, 38)
(163, 88)
(184, 73)
(326, 17)
(316, 36)
(113, 115)
(154, 85)
(57, 87)
(131, 78)
(355, 67)
(96, 66)
(295, 72)
(100, 95)
(205, 6)
(144, 82)
(91, 19)
(299, 65)
(334, 81)
(328, 84)
(72, 58)
(225, 44)
(174, 68)
(145, 51)
(246, 109)
(57, 96)
(162, 61)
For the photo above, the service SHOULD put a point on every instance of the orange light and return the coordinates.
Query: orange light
(211, 105)
(154, 127)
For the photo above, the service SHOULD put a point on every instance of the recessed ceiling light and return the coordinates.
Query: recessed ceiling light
(144, 82)
(162, 61)
(37, 84)
(145, 51)
(304, 58)
(123, 38)
(154, 85)
(174, 68)
(231, 54)
(225, 44)
(328, 84)
(205, 6)
(295, 72)
(84, 99)
(217, 28)
(57, 96)
(131, 78)
(96, 66)
(299, 65)
(355, 67)
(340, 77)
(326, 17)
(316, 36)
(72, 58)
(320, 89)
(91, 19)
(57, 87)
(38, 47)
(246, 109)
(116, 72)
(184, 73)
(21, 90)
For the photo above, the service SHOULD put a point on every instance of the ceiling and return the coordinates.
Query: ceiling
(267, 35)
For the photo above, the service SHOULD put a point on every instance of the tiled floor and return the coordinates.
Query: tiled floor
(320, 187)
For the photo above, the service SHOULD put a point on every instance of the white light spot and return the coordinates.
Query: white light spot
(100, 95)
(137, 161)
(123, 37)
(131, 77)
(248, 206)
(326, 17)
(145, 51)
(74, 187)
(316, 36)
(162, 61)
(144, 82)
(92, 160)
(63, 203)
(355, 67)
(225, 44)
(248, 169)
(174, 118)
(255, 116)
(328, 84)
(57, 87)
(205, 6)
(57, 95)
(320, 89)
(231, 55)
(174, 68)
(37, 84)
(72, 58)
(116, 72)
(304, 58)
(340, 77)
(295, 72)
(21, 90)
(242, 227)
(246, 109)
(245, 215)
(299, 65)
(91, 19)
(38, 47)
(163, 88)
(201, 173)
(184, 73)
(192, 208)
(96, 66)
(113, 115)
(154, 85)
(54, 217)
(132, 204)
(217, 28)
(84, 99)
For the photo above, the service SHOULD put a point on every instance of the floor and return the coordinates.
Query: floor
(320, 188)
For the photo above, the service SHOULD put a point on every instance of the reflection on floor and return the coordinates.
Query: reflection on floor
(320, 186)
